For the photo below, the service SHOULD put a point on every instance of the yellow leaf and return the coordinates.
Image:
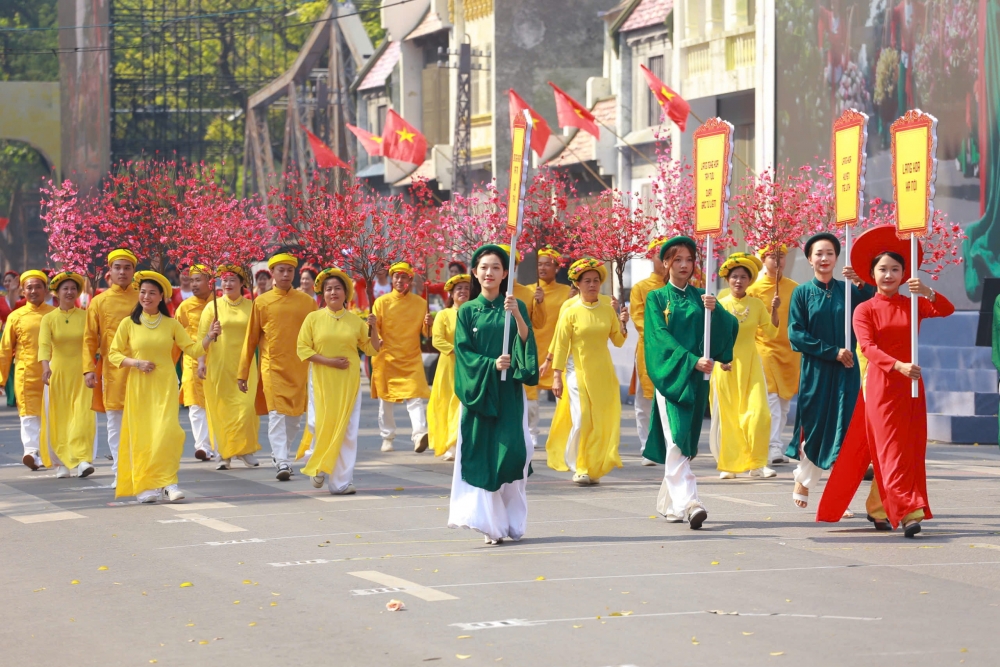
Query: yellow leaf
(963, 650)
(626, 613)
(787, 600)
(38, 590)
(190, 625)
(74, 582)
(203, 641)
(715, 562)
(465, 636)
(103, 567)
(274, 604)
(462, 657)
(616, 613)
(923, 592)
(152, 660)
(253, 623)
(398, 488)
(273, 593)
(747, 634)
(652, 516)
(357, 536)
(694, 640)
(246, 581)
(236, 601)
(778, 653)
(577, 626)
(539, 578)
(187, 584)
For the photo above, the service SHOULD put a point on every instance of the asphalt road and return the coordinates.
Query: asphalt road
(251, 571)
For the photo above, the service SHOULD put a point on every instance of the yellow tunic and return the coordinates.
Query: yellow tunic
(555, 295)
(781, 364)
(536, 312)
(233, 424)
(335, 390)
(152, 439)
(637, 312)
(105, 312)
(274, 325)
(189, 315)
(69, 423)
(20, 341)
(442, 409)
(741, 420)
(583, 332)
(398, 369)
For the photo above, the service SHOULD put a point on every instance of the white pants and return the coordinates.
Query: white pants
(417, 407)
(114, 436)
(533, 421)
(806, 472)
(496, 514)
(343, 471)
(643, 409)
(679, 490)
(31, 433)
(779, 416)
(281, 430)
(199, 427)
(572, 392)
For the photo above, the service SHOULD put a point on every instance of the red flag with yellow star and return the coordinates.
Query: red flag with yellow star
(573, 114)
(371, 142)
(675, 106)
(325, 157)
(401, 141)
(540, 132)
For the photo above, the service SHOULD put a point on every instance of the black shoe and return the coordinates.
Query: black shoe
(697, 517)
(284, 472)
(870, 474)
(912, 529)
(880, 524)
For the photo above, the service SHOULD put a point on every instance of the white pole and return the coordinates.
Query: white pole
(512, 274)
(914, 343)
(710, 290)
(847, 291)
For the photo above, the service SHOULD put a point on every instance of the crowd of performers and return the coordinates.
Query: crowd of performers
(264, 347)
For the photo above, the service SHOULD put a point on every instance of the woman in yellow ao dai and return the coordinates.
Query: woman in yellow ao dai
(741, 419)
(583, 333)
(233, 423)
(152, 439)
(330, 339)
(443, 407)
(68, 423)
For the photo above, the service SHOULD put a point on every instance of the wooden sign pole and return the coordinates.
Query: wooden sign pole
(520, 155)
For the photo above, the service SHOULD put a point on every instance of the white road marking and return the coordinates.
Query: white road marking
(520, 622)
(214, 524)
(327, 498)
(252, 540)
(26, 508)
(376, 591)
(198, 505)
(416, 590)
(741, 501)
(314, 561)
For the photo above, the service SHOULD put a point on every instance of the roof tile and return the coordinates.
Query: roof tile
(648, 13)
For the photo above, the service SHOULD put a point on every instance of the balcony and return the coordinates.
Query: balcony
(721, 64)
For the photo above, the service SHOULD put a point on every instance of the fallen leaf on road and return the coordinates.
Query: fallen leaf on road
(236, 601)
(252, 624)
(963, 650)
(694, 640)
(246, 581)
(462, 657)
(74, 582)
(152, 661)
(38, 589)
(616, 613)
(187, 584)
(274, 604)
(778, 653)
(539, 578)
(715, 562)
(465, 636)
(747, 634)
(652, 516)
(190, 625)
(103, 567)
(577, 626)
(923, 592)
(203, 641)
(273, 593)
(395, 605)
(398, 488)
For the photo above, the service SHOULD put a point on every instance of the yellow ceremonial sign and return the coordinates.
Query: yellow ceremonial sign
(914, 169)
(713, 155)
(519, 149)
(850, 139)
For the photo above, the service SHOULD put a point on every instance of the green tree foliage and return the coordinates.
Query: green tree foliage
(15, 65)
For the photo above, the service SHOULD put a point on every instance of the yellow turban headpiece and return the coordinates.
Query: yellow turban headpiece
(581, 266)
(455, 280)
(334, 272)
(401, 267)
(122, 253)
(34, 273)
(60, 278)
(283, 258)
(549, 251)
(157, 278)
(506, 247)
(762, 253)
(223, 269)
(737, 259)
(196, 269)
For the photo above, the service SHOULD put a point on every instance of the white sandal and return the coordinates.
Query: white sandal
(800, 498)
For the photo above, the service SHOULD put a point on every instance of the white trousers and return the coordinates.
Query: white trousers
(343, 471)
(199, 427)
(496, 514)
(679, 490)
(643, 410)
(533, 421)
(572, 389)
(114, 436)
(281, 430)
(779, 416)
(31, 433)
(806, 472)
(417, 407)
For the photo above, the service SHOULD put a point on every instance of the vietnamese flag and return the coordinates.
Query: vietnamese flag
(371, 142)
(401, 141)
(573, 114)
(674, 105)
(325, 158)
(540, 131)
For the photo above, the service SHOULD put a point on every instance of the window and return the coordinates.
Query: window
(380, 119)
(653, 110)
(435, 105)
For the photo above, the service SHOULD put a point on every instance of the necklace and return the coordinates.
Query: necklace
(596, 304)
(740, 315)
(233, 304)
(67, 314)
(150, 323)
(334, 315)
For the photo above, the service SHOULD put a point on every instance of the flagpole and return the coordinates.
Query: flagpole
(582, 163)
(512, 274)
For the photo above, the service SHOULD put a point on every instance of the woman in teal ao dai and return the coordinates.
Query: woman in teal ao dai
(493, 453)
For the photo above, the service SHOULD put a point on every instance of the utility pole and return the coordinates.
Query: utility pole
(461, 177)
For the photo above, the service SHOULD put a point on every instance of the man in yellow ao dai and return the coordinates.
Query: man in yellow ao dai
(643, 386)
(398, 370)
(330, 339)
(274, 325)
(192, 391)
(741, 420)
(20, 342)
